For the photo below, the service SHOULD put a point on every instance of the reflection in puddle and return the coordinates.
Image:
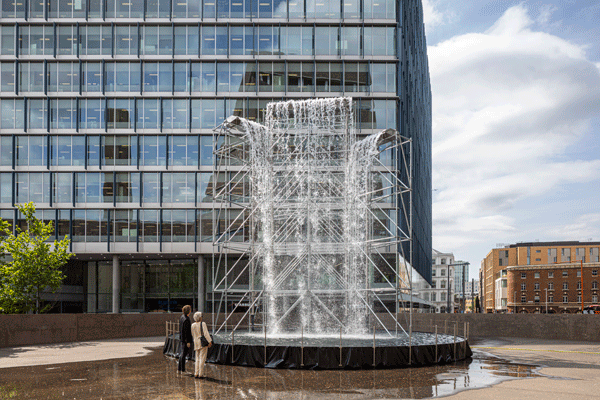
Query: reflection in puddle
(154, 377)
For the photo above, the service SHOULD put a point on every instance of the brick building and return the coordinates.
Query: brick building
(540, 257)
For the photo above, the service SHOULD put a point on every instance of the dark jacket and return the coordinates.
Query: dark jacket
(185, 329)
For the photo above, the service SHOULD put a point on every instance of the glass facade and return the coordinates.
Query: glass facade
(108, 109)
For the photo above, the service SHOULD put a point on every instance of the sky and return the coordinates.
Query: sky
(516, 123)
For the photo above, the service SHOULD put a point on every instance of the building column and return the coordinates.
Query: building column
(201, 287)
(116, 284)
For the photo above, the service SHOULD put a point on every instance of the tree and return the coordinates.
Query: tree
(30, 265)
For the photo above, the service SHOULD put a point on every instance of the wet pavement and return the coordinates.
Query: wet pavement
(153, 377)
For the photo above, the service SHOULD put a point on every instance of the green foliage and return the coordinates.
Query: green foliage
(30, 265)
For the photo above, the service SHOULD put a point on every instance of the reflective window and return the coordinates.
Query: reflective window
(153, 150)
(209, 9)
(31, 77)
(63, 77)
(63, 114)
(297, 40)
(148, 115)
(12, 114)
(67, 150)
(151, 187)
(187, 9)
(352, 9)
(128, 187)
(178, 187)
(206, 113)
(35, 9)
(125, 226)
(158, 77)
(66, 9)
(300, 77)
(383, 78)
(214, 40)
(183, 150)
(119, 150)
(32, 186)
(6, 151)
(6, 192)
(181, 77)
(94, 187)
(123, 77)
(93, 151)
(91, 114)
(12, 9)
(62, 190)
(328, 40)
(178, 225)
(241, 40)
(149, 225)
(379, 9)
(186, 40)
(31, 150)
(206, 150)
(36, 40)
(350, 43)
(204, 194)
(377, 114)
(272, 9)
(157, 40)
(126, 40)
(158, 8)
(175, 114)
(96, 39)
(92, 224)
(92, 77)
(124, 8)
(271, 77)
(356, 77)
(323, 9)
(96, 7)
(67, 38)
(7, 40)
(203, 77)
(379, 41)
(268, 40)
(120, 114)
(206, 225)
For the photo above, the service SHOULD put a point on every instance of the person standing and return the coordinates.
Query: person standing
(199, 331)
(185, 337)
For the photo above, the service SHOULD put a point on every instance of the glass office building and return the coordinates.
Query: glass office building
(108, 109)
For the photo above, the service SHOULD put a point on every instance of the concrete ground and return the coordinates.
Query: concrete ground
(29, 356)
(570, 369)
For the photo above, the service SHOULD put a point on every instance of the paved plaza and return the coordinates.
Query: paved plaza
(136, 369)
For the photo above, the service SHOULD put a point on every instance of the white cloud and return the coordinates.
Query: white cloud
(507, 104)
(431, 15)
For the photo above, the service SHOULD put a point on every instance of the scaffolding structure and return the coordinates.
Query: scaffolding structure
(305, 215)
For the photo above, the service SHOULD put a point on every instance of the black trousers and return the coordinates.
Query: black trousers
(185, 350)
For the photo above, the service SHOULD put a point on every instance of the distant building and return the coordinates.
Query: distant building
(500, 293)
(443, 278)
(543, 258)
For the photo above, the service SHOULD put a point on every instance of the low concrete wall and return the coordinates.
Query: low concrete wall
(582, 327)
(22, 330)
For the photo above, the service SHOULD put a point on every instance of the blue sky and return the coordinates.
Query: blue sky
(516, 122)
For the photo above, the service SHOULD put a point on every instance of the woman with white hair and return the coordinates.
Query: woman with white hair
(199, 332)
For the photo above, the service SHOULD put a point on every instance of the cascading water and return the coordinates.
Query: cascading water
(310, 181)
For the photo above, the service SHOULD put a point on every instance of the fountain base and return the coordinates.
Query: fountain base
(295, 352)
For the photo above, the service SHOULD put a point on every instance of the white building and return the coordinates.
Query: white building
(442, 278)
(500, 293)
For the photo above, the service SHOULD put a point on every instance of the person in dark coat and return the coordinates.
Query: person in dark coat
(185, 337)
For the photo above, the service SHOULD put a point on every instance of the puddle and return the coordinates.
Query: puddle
(154, 377)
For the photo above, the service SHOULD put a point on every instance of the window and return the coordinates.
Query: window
(551, 274)
(523, 299)
(593, 250)
(148, 115)
(595, 298)
(7, 39)
(297, 40)
(186, 40)
(565, 299)
(121, 9)
(128, 187)
(158, 77)
(433, 271)
(523, 275)
(120, 113)
(94, 187)
(433, 284)
(300, 77)
(443, 284)
(62, 187)
(536, 299)
(536, 286)
(157, 40)
(594, 272)
(565, 254)
(31, 77)
(443, 296)
(433, 296)
(96, 40)
(63, 114)
(442, 272)
(550, 299)
(178, 187)
(579, 273)
(538, 251)
(383, 78)
(536, 275)
(595, 285)
(385, 9)
(538, 259)
(550, 285)
(523, 286)
(579, 298)
(175, 115)
(565, 286)
(67, 150)
(126, 40)
(183, 150)
(565, 274)
(119, 150)
(93, 77)
(63, 77)
(578, 285)
(7, 77)
(66, 43)
(186, 9)
(500, 262)
(91, 114)
(552, 255)
(123, 77)
(214, 40)
(379, 41)
(33, 187)
(36, 40)
(12, 9)
(12, 114)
